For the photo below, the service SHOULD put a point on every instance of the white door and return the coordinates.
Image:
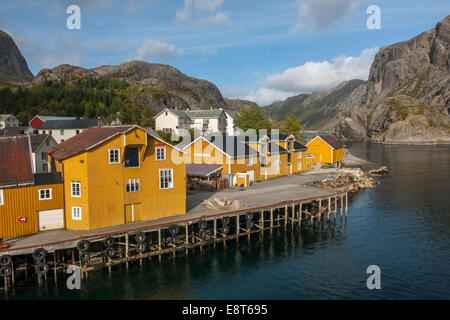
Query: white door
(51, 219)
(251, 176)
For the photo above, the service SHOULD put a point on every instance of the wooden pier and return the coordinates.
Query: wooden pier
(105, 250)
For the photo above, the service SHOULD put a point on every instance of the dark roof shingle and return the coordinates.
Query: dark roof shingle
(332, 142)
(68, 124)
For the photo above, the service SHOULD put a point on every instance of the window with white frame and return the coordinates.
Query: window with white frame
(299, 165)
(1, 197)
(114, 155)
(45, 194)
(76, 213)
(45, 167)
(75, 187)
(160, 153)
(262, 147)
(132, 185)
(165, 178)
(61, 132)
(43, 155)
(299, 155)
(249, 161)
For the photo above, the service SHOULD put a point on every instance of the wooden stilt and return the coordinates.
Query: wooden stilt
(285, 215)
(12, 273)
(215, 232)
(187, 238)
(54, 266)
(238, 228)
(329, 210)
(126, 250)
(342, 206)
(261, 223)
(159, 245)
(271, 221)
(300, 213)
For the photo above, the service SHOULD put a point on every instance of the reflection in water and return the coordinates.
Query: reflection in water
(402, 226)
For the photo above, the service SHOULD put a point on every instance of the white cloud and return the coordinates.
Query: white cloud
(262, 96)
(309, 77)
(315, 76)
(322, 14)
(220, 18)
(152, 49)
(201, 10)
(63, 52)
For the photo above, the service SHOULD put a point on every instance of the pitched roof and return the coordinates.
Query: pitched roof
(176, 112)
(275, 148)
(299, 146)
(202, 169)
(205, 113)
(85, 140)
(332, 142)
(69, 124)
(233, 146)
(6, 116)
(12, 131)
(15, 160)
(37, 140)
(47, 118)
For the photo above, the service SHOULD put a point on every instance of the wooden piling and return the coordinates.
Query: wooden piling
(285, 215)
(126, 250)
(54, 266)
(187, 238)
(159, 244)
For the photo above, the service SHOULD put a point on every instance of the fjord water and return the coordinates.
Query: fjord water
(402, 225)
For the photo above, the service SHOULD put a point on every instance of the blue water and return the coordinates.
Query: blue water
(402, 225)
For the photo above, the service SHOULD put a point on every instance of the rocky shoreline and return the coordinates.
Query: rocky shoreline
(356, 175)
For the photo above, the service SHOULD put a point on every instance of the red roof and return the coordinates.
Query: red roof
(85, 140)
(15, 160)
(332, 142)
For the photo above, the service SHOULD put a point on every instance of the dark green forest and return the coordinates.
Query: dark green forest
(88, 98)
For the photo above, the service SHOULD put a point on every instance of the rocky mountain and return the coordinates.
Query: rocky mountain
(151, 86)
(318, 108)
(406, 98)
(155, 85)
(13, 67)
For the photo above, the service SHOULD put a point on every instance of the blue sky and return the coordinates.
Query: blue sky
(258, 50)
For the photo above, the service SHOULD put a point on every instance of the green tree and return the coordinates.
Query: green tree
(292, 125)
(252, 118)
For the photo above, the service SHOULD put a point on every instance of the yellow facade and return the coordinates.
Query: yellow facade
(202, 151)
(24, 202)
(104, 200)
(323, 152)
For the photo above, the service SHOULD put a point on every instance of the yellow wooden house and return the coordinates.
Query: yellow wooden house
(240, 162)
(326, 149)
(29, 202)
(250, 158)
(119, 174)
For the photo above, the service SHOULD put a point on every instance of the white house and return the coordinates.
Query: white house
(8, 121)
(172, 120)
(206, 121)
(62, 130)
(231, 131)
(40, 143)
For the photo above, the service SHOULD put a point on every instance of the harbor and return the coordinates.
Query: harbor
(47, 255)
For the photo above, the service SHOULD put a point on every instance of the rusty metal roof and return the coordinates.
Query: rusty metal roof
(85, 140)
(15, 160)
(332, 142)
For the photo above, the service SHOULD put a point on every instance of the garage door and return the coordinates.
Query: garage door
(51, 219)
